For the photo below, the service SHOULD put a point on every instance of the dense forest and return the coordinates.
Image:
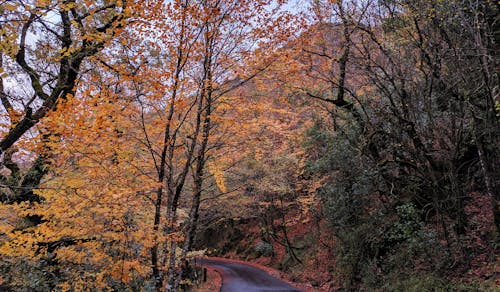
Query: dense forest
(352, 144)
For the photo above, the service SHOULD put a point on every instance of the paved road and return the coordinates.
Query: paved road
(238, 277)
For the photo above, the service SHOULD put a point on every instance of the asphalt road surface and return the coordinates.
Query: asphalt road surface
(238, 277)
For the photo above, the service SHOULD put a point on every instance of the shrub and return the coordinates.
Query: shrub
(264, 249)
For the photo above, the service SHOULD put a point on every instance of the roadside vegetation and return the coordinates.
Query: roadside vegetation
(351, 144)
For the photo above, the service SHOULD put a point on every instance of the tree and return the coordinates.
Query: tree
(229, 33)
(46, 47)
(78, 32)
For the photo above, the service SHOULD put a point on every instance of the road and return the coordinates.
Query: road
(238, 277)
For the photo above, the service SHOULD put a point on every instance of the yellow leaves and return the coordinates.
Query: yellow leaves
(68, 5)
(98, 37)
(9, 218)
(8, 45)
(3, 74)
(306, 202)
(71, 255)
(123, 270)
(218, 173)
(123, 41)
(92, 195)
(9, 6)
(42, 3)
(88, 279)
(110, 136)
(64, 286)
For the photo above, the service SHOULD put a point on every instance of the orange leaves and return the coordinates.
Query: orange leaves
(124, 269)
(134, 121)
(216, 170)
(10, 6)
(100, 185)
(9, 220)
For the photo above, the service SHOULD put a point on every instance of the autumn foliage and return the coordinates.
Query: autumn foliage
(358, 133)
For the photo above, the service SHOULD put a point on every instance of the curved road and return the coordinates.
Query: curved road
(238, 277)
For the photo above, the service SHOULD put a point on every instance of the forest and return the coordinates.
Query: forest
(351, 144)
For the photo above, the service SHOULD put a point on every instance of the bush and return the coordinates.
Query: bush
(264, 249)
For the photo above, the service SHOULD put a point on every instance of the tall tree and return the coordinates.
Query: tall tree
(44, 45)
(46, 48)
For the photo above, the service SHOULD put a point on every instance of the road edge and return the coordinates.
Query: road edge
(273, 272)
